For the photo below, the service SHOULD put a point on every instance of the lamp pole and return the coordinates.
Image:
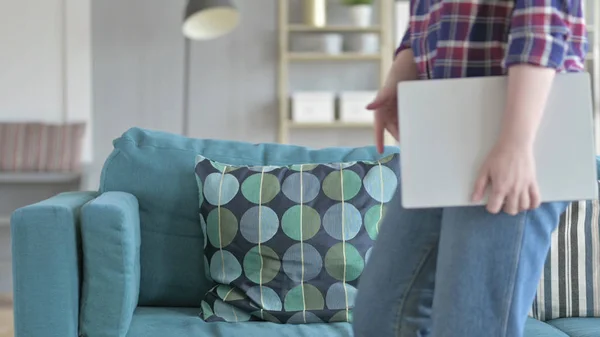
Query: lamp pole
(203, 20)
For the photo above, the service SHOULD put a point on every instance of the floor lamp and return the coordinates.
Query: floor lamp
(204, 20)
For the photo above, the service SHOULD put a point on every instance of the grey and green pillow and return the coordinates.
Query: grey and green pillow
(288, 244)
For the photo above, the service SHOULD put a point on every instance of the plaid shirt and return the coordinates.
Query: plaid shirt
(467, 38)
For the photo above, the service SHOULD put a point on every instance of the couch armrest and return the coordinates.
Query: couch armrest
(46, 266)
(110, 234)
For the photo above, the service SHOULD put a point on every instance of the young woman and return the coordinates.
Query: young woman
(472, 271)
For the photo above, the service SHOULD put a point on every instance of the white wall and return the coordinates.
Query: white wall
(402, 19)
(45, 62)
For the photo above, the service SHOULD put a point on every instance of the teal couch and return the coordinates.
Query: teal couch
(127, 260)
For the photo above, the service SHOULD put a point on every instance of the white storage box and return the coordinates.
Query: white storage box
(313, 107)
(353, 106)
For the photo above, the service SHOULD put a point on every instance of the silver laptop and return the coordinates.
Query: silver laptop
(447, 127)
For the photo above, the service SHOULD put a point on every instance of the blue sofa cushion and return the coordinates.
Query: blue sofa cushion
(535, 328)
(157, 168)
(110, 234)
(184, 322)
(288, 244)
(570, 280)
(578, 327)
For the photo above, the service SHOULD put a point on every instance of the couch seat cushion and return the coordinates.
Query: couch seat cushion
(535, 328)
(578, 327)
(185, 322)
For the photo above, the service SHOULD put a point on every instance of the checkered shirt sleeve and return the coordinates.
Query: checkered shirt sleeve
(405, 43)
(543, 31)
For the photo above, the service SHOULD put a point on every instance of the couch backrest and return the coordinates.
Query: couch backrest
(158, 168)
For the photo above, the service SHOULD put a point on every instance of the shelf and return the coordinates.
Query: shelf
(296, 28)
(296, 56)
(328, 125)
(38, 177)
(381, 58)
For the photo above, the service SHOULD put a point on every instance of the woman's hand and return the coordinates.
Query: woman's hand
(385, 105)
(510, 172)
(510, 166)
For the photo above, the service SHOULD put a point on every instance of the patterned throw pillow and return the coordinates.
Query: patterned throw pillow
(570, 284)
(287, 244)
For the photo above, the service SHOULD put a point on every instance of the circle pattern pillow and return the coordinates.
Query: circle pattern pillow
(288, 244)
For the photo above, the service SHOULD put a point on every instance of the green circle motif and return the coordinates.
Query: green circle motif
(309, 299)
(228, 293)
(206, 310)
(223, 167)
(207, 269)
(200, 191)
(387, 159)
(203, 228)
(259, 192)
(373, 219)
(224, 267)
(304, 317)
(342, 254)
(267, 264)
(265, 297)
(311, 222)
(230, 313)
(341, 316)
(303, 167)
(221, 232)
(265, 316)
(332, 185)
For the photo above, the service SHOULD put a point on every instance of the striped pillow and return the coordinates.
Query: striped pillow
(38, 147)
(570, 284)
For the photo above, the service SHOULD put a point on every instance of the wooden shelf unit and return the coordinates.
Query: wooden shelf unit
(384, 57)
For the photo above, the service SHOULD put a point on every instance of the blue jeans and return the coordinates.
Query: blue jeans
(453, 272)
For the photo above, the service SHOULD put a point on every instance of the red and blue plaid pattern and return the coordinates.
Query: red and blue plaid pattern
(469, 38)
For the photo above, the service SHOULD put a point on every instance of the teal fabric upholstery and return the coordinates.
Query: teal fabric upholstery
(535, 328)
(46, 259)
(184, 322)
(110, 233)
(157, 168)
(578, 327)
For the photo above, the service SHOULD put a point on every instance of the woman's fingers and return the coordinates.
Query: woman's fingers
(480, 185)
(512, 203)
(534, 196)
(525, 202)
(383, 97)
(497, 198)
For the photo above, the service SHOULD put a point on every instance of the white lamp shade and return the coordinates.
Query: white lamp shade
(209, 19)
